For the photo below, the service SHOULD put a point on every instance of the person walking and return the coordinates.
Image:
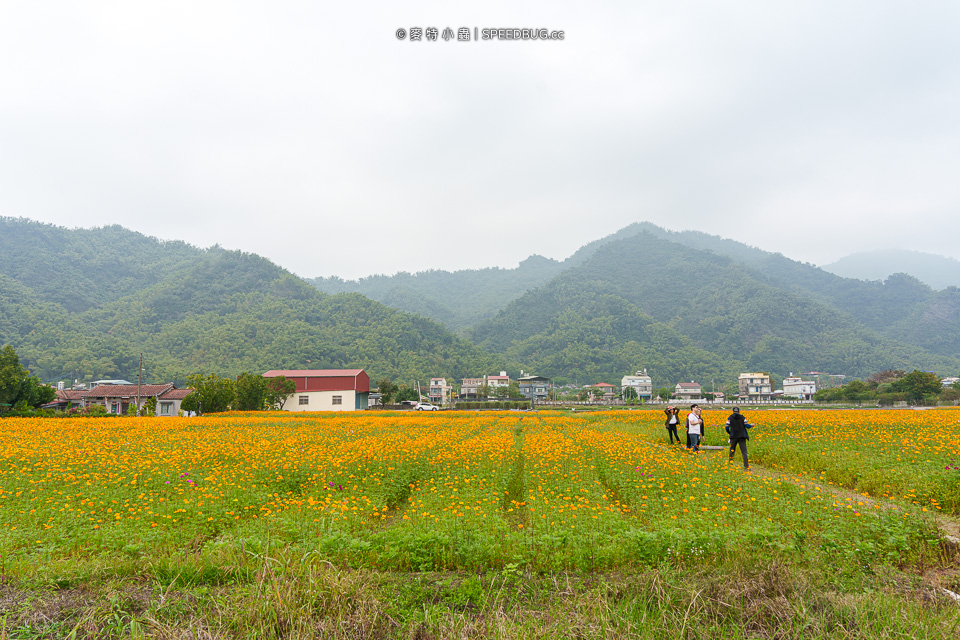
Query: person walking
(672, 422)
(737, 427)
(694, 428)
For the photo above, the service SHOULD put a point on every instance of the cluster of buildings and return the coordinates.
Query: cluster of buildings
(536, 388)
(117, 396)
(316, 390)
(349, 390)
(754, 387)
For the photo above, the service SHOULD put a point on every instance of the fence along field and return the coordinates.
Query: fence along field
(543, 491)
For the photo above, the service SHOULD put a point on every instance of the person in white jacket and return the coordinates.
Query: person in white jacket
(694, 428)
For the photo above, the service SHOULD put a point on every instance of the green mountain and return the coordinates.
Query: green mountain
(685, 305)
(457, 299)
(461, 299)
(86, 303)
(648, 301)
(901, 307)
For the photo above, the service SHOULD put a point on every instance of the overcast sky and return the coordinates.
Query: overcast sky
(309, 133)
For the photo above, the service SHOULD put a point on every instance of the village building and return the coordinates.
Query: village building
(609, 391)
(496, 382)
(440, 393)
(641, 383)
(325, 389)
(119, 398)
(169, 403)
(794, 387)
(470, 389)
(65, 400)
(755, 386)
(536, 388)
(97, 383)
(688, 391)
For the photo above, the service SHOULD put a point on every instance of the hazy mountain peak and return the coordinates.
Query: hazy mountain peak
(939, 272)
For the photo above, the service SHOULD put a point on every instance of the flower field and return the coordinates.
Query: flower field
(543, 490)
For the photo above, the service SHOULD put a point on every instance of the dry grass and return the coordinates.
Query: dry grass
(315, 600)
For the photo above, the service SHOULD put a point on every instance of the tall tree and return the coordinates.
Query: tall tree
(918, 384)
(18, 389)
(405, 393)
(387, 390)
(12, 376)
(857, 391)
(211, 393)
(251, 392)
(278, 390)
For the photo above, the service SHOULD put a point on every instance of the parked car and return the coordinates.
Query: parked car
(426, 406)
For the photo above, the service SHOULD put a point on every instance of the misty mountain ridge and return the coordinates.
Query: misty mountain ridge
(938, 272)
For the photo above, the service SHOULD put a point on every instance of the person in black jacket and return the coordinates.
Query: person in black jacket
(672, 422)
(737, 427)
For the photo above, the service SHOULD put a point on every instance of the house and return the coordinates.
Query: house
(535, 388)
(641, 383)
(325, 389)
(755, 386)
(949, 382)
(794, 387)
(168, 403)
(688, 391)
(497, 382)
(65, 400)
(118, 398)
(440, 392)
(609, 391)
(470, 388)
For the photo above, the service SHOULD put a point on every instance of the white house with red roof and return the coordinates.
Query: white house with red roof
(168, 403)
(495, 382)
(325, 389)
(609, 391)
(688, 391)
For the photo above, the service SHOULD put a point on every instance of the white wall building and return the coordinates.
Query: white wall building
(325, 389)
(494, 382)
(799, 388)
(641, 383)
(688, 391)
(440, 392)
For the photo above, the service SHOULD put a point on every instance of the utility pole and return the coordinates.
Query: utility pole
(139, 382)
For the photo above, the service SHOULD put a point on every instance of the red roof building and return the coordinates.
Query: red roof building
(118, 398)
(325, 389)
(65, 399)
(687, 391)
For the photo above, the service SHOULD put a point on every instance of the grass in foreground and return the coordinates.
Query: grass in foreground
(295, 598)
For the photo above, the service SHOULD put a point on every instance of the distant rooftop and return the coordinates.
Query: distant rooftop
(97, 383)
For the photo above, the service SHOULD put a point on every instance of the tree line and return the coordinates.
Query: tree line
(891, 386)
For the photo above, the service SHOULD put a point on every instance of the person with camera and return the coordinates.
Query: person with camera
(737, 427)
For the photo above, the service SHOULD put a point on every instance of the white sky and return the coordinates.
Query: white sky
(308, 133)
